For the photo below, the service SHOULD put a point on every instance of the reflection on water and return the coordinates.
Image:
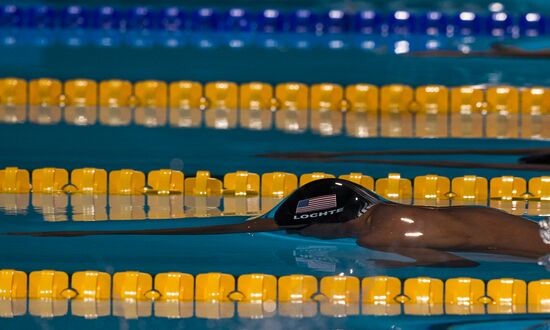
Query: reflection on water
(131, 309)
(174, 309)
(332, 259)
(338, 308)
(165, 207)
(48, 308)
(14, 204)
(216, 310)
(86, 207)
(90, 308)
(52, 206)
(398, 44)
(381, 309)
(90, 207)
(203, 206)
(127, 207)
(12, 307)
(319, 258)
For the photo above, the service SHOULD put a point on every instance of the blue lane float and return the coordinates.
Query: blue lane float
(333, 21)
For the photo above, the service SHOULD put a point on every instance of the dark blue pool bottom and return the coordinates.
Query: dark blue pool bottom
(471, 322)
(311, 65)
(221, 151)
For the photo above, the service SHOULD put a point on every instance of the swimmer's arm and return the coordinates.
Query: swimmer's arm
(496, 50)
(423, 257)
(249, 226)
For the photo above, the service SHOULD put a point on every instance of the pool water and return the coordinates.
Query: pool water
(276, 253)
(31, 146)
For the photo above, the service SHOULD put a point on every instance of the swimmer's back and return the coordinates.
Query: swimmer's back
(462, 227)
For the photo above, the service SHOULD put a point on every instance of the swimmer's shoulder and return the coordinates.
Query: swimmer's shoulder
(387, 212)
(478, 214)
(390, 213)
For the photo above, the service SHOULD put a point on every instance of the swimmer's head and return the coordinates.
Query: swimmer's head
(324, 201)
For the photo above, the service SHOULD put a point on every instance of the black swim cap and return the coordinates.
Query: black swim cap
(325, 201)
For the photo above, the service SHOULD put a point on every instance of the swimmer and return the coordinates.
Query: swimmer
(335, 208)
(496, 50)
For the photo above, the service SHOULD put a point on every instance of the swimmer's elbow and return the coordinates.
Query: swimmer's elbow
(367, 243)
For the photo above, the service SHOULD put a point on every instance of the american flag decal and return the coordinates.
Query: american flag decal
(316, 204)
